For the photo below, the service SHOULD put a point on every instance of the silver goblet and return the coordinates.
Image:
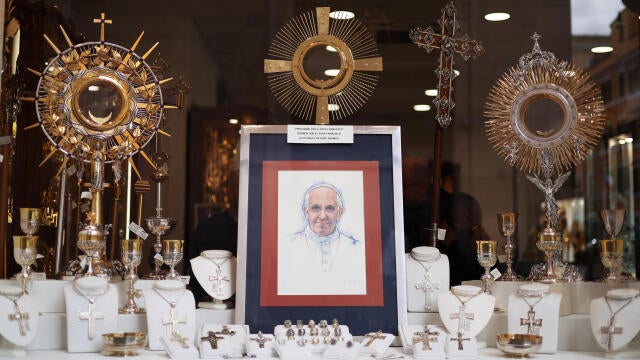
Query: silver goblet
(611, 257)
(549, 241)
(507, 223)
(159, 226)
(486, 250)
(30, 219)
(172, 255)
(131, 258)
(24, 252)
(91, 241)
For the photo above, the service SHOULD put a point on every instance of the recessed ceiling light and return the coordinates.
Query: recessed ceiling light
(331, 48)
(431, 92)
(333, 107)
(332, 72)
(421, 107)
(497, 16)
(233, 121)
(341, 15)
(601, 49)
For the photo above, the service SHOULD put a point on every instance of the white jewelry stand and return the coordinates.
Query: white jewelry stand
(317, 341)
(469, 319)
(267, 349)
(545, 316)
(18, 320)
(625, 326)
(215, 270)
(162, 318)
(87, 322)
(342, 350)
(427, 276)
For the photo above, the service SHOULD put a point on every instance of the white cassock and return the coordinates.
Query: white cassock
(309, 264)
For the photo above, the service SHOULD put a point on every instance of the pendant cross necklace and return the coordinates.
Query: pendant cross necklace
(426, 285)
(611, 329)
(219, 277)
(174, 318)
(530, 321)
(426, 337)
(463, 317)
(17, 315)
(91, 315)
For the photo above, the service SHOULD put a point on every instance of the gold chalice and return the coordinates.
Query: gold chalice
(611, 256)
(612, 220)
(30, 219)
(172, 255)
(549, 241)
(507, 223)
(487, 258)
(131, 258)
(24, 252)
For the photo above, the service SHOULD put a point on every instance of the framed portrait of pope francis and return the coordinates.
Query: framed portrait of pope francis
(320, 230)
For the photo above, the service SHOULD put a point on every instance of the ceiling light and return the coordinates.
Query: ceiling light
(333, 107)
(421, 107)
(233, 121)
(94, 88)
(601, 49)
(497, 16)
(621, 141)
(341, 15)
(431, 92)
(331, 48)
(332, 72)
(628, 140)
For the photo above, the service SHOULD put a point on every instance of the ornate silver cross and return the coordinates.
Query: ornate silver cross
(219, 278)
(609, 331)
(91, 316)
(448, 45)
(531, 322)
(463, 317)
(428, 287)
(21, 317)
(173, 319)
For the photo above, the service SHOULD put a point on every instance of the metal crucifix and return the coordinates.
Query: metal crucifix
(428, 39)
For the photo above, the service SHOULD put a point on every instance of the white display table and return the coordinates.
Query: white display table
(574, 330)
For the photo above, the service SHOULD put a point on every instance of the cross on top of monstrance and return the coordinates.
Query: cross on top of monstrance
(428, 39)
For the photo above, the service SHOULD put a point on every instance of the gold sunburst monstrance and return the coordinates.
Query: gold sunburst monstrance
(540, 76)
(307, 97)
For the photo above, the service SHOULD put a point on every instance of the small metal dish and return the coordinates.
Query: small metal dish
(518, 345)
(123, 343)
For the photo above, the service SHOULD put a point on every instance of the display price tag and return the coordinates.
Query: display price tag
(495, 273)
(71, 170)
(441, 233)
(136, 229)
(319, 134)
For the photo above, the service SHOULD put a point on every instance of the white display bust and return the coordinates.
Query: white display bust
(542, 320)
(464, 311)
(615, 325)
(170, 308)
(92, 310)
(427, 276)
(18, 320)
(215, 270)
